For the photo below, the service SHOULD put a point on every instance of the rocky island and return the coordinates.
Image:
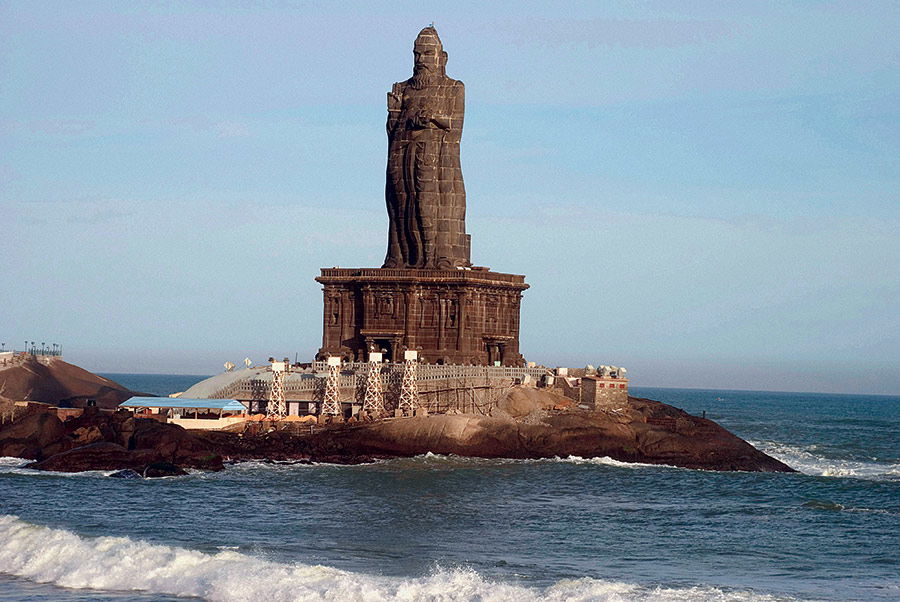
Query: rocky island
(526, 423)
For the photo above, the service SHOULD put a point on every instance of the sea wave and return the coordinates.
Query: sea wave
(829, 506)
(10, 462)
(432, 460)
(808, 461)
(10, 465)
(607, 461)
(578, 460)
(58, 556)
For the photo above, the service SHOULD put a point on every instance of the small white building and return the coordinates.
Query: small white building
(189, 413)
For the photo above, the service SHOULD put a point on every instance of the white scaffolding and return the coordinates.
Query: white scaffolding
(276, 408)
(373, 403)
(409, 390)
(332, 403)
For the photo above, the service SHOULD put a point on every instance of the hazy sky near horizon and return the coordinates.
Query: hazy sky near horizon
(703, 192)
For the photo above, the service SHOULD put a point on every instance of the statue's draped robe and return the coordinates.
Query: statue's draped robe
(425, 195)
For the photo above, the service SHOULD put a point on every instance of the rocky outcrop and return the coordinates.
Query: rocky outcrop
(102, 455)
(34, 437)
(529, 423)
(106, 441)
(59, 383)
(648, 432)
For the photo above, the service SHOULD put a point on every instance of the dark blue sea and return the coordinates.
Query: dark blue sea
(448, 528)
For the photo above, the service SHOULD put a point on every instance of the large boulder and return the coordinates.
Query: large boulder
(34, 437)
(522, 401)
(174, 444)
(106, 441)
(641, 431)
(98, 456)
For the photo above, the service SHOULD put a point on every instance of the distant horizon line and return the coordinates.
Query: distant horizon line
(631, 387)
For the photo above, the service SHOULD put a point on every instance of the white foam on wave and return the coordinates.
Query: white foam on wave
(10, 465)
(63, 558)
(431, 459)
(806, 460)
(10, 462)
(607, 461)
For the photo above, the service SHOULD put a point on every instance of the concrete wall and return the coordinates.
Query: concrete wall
(603, 392)
(206, 423)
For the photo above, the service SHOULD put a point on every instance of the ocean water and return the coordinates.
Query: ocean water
(449, 528)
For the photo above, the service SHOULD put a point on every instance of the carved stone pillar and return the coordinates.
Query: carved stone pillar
(460, 321)
(442, 320)
(411, 303)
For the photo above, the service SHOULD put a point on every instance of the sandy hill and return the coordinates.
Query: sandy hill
(56, 382)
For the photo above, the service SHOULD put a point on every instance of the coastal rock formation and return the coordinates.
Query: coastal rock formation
(529, 423)
(104, 455)
(644, 431)
(34, 437)
(106, 441)
(58, 383)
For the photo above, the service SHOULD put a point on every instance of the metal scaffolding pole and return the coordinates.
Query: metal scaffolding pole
(409, 390)
(373, 403)
(276, 408)
(332, 403)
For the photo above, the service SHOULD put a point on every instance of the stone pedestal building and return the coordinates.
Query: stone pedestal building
(449, 316)
(427, 296)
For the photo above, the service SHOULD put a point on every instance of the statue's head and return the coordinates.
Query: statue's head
(429, 54)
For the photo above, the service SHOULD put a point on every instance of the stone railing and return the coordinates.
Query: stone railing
(443, 371)
(392, 273)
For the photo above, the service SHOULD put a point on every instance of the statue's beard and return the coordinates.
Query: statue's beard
(422, 78)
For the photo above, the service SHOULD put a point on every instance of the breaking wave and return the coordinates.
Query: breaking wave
(57, 556)
(808, 462)
(9, 465)
(578, 460)
(10, 462)
(430, 459)
(607, 461)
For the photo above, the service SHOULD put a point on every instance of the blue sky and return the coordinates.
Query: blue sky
(704, 192)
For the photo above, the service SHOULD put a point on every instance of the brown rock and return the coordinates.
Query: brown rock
(642, 432)
(87, 434)
(174, 444)
(34, 436)
(98, 456)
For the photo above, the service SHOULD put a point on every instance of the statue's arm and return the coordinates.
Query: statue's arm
(394, 104)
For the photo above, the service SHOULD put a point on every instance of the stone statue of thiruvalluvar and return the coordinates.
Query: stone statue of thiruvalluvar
(426, 198)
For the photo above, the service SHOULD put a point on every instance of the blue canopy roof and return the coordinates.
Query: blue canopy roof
(230, 405)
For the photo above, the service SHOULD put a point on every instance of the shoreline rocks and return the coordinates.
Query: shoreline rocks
(642, 431)
(526, 424)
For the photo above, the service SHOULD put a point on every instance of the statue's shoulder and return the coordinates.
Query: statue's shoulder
(456, 83)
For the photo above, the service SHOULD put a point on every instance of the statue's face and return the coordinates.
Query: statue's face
(427, 53)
